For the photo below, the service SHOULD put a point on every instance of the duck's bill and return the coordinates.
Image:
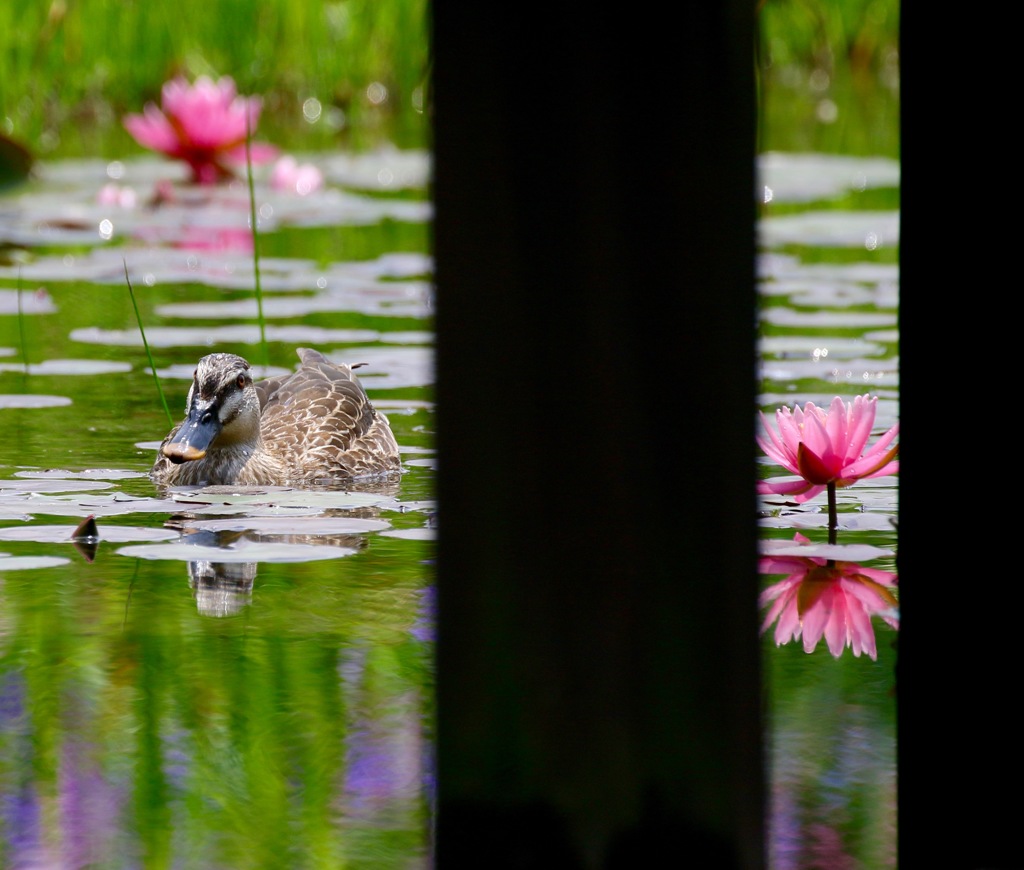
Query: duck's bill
(192, 440)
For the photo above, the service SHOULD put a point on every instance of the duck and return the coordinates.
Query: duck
(313, 426)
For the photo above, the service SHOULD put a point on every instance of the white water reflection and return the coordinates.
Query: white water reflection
(800, 178)
(25, 301)
(68, 367)
(34, 400)
(832, 229)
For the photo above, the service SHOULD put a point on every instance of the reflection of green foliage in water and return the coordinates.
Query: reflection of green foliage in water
(71, 70)
(832, 755)
(147, 731)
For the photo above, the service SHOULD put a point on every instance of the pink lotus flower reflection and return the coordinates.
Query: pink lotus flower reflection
(827, 598)
(115, 194)
(827, 447)
(203, 124)
(293, 177)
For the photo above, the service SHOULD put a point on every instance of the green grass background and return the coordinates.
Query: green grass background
(70, 69)
(827, 70)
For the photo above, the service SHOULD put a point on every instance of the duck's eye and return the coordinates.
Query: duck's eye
(240, 380)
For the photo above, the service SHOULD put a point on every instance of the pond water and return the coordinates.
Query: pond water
(233, 678)
(239, 678)
(829, 287)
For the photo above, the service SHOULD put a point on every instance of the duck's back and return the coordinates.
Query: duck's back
(319, 422)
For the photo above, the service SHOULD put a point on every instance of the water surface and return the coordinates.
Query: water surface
(242, 679)
(220, 678)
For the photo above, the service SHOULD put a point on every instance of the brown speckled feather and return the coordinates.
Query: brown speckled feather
(315, 425)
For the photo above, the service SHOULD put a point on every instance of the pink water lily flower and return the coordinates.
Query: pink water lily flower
(203, 124)
(830, 599)
(827, 447)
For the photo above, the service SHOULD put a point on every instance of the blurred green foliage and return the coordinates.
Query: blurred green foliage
(828, 72)
(828, 76)
(72, 68)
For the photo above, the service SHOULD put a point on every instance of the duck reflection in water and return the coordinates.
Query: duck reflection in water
(223, 587)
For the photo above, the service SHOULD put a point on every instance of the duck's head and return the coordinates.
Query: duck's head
(222, 409)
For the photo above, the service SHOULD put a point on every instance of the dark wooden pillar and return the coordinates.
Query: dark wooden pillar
(598, 664)
(961, 750)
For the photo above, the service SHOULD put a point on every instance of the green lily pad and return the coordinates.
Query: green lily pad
(246, 551)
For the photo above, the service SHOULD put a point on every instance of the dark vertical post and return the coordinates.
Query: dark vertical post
(598, 655)
(959, 684)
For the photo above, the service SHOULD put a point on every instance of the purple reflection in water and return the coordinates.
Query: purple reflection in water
(89, 807)
(833, 791)
(384, 764)
(386, 768)
(19, 802)
(424, 628)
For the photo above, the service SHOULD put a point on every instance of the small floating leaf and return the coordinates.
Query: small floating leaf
(86, 530)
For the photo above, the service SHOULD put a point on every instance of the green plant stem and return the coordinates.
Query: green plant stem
(255, 243)
(21, 327)
(833, 519)
(145, 344)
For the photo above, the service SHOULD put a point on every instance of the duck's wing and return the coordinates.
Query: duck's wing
(320, 414)
(268, 387)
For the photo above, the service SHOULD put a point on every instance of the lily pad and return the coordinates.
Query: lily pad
(234, 335)
(843, 552)
(50, 534)
(56, 484)
(850, 522)
(24, 563)
(383, 169)
(35, 400)
(246, 551)
(291, 525)
(819, 348)
(863, 229)
(829, 318)
(275, 499)
(418, 534)
(26, 302)
(99, 504)
(861, 373)
(69, 367)
(430, 462)
(88, 474)
(795, 177)
(368, 299)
